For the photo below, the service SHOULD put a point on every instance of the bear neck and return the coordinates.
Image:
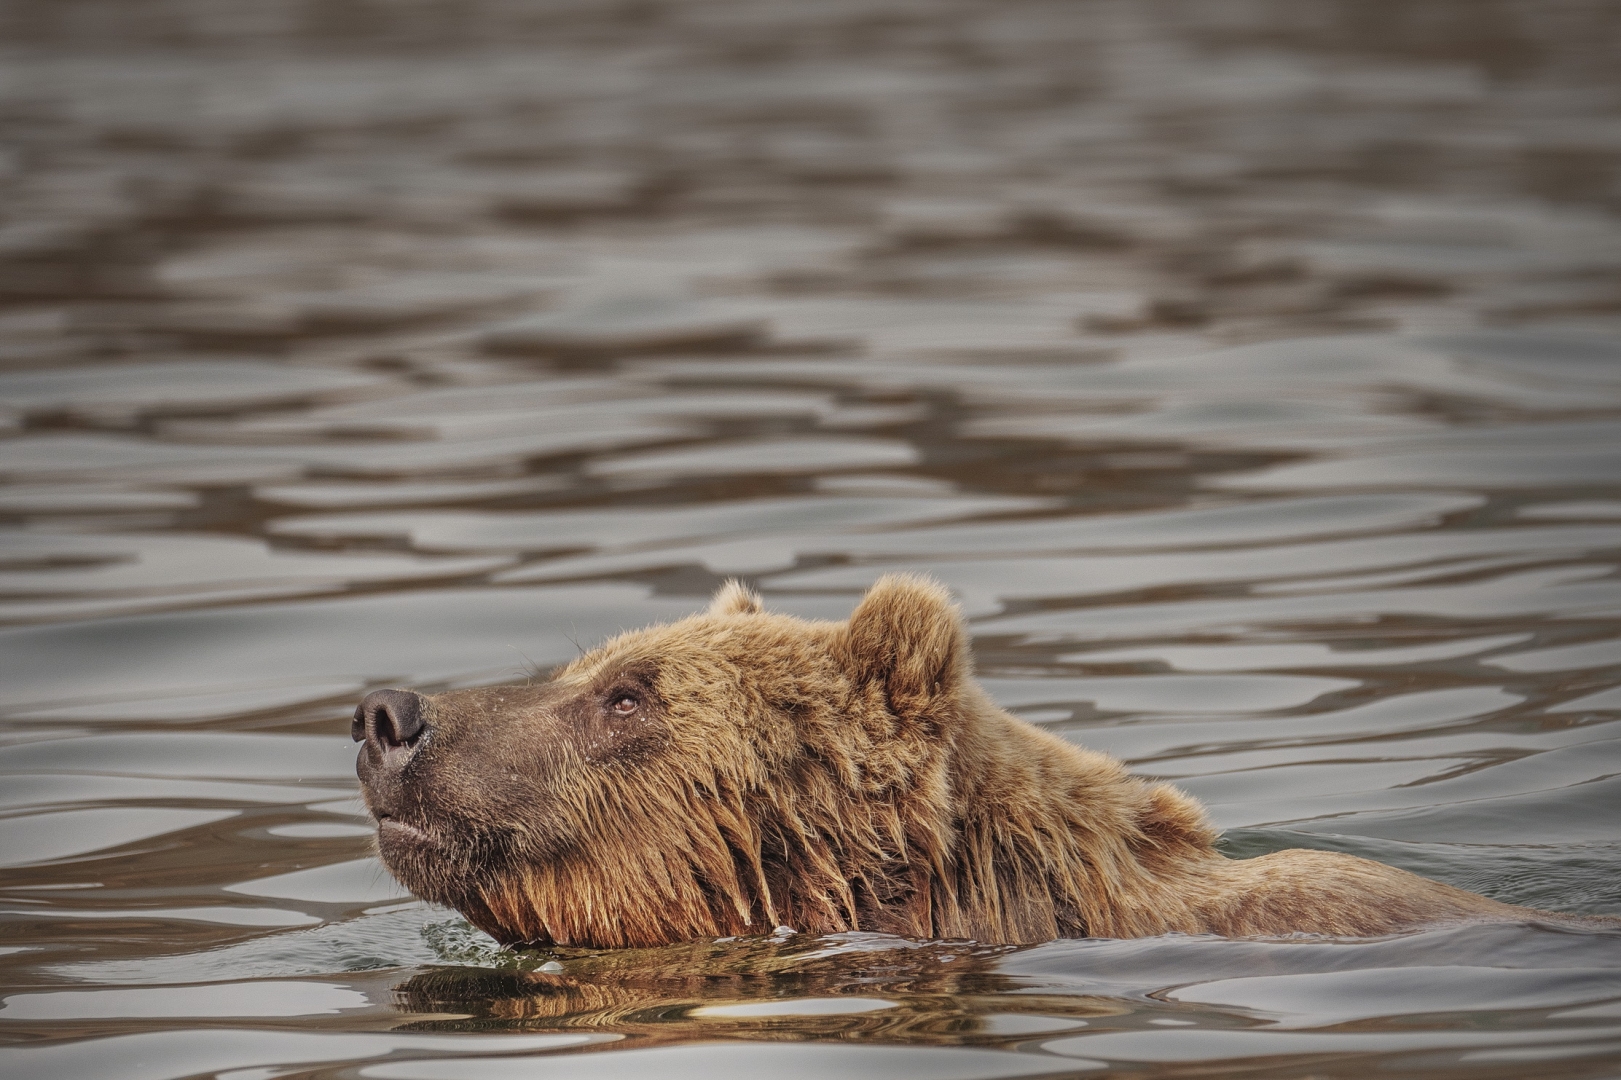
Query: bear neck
(1052, 840)
(662, 866)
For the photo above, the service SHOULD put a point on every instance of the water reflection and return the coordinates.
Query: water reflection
(1250, 371)
(772, 989)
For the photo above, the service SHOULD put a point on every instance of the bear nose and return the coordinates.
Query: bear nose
(388, 719)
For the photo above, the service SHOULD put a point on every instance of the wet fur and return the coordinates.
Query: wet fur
(833, 777)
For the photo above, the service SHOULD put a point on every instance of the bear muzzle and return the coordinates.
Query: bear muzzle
(391, 724)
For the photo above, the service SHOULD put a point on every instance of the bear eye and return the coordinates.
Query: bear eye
(625, 704)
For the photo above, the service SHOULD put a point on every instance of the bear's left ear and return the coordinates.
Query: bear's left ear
(908, 633)
(735, 598)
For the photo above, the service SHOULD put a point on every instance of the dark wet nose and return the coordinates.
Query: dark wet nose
(388, 719)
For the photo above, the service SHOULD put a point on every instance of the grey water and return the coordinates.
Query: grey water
(1251, 370)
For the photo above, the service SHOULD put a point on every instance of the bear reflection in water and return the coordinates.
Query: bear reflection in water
(738, 770)
(759, 988)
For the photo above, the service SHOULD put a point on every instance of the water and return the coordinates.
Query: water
(1252, 371)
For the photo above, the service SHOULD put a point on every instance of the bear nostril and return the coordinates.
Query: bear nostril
(388, 719)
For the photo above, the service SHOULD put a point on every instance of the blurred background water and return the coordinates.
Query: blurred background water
(1250, 368)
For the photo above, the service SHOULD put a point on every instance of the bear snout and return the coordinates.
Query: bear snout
(391, 724)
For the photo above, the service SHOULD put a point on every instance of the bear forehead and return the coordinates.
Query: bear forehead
(736, 642)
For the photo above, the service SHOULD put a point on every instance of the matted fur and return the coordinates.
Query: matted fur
(828, 777)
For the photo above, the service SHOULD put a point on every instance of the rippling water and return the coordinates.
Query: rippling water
(1251, 370)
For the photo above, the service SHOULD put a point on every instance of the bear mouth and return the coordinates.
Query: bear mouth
(391, 829)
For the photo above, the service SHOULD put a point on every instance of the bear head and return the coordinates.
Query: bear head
(723, 774)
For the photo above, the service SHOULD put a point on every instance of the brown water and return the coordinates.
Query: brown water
(1251, 370)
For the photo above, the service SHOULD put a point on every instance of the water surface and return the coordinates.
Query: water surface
(1252, 372)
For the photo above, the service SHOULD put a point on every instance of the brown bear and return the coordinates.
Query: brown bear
(739, 771)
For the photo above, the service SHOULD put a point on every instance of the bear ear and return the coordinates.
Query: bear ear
(735, 598)
(908, 633)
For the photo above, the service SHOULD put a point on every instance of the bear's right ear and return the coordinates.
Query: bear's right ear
(908, 634)
(735, 598)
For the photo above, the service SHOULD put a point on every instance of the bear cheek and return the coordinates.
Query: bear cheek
(588, 758)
